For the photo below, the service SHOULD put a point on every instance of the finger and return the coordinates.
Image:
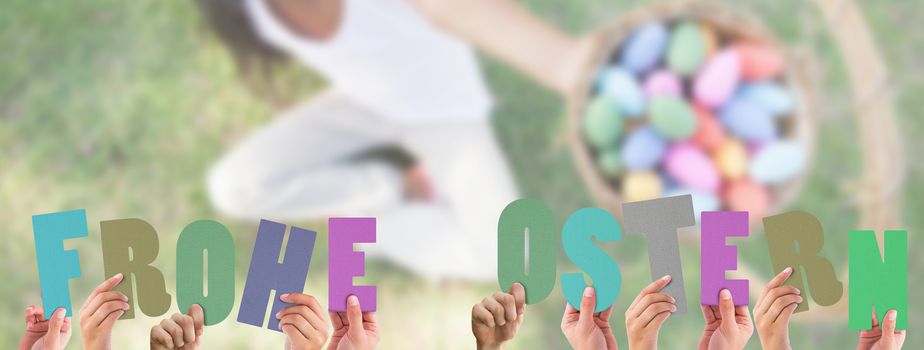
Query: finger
(888, 329)
(652, 287)
(588, 302)
(338, 323)
(304, 299)
(779, 279)
(786, 314)
(160, 337)
(509, 304)
(654, 310)
(726, 308)
(482, 315)
(301, 324)
(772, 295)
(781, 303)
(198, 315)
(97, 301)
(637, 309)
(106, 286)
(519, 296)
(496, 310)
(708, 315)
(292, 332)
(175, 331)
(306, 313)
(355, 316)
(875, 320)
(57, 322)
(97, 317)
(187, 324)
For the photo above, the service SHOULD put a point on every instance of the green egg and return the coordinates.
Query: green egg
(672, 117)
(610, 162)
(602, 122)
(687, 50)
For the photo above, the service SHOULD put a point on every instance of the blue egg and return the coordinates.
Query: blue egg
(643, 149)
(645, 47)
(748, 121)
(702, 201)
(622, 87)
(777, 162)
(769, 95)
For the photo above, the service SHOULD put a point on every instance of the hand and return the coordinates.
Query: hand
(497, 318)
(727, 326)
(773, 310)
(586, 330)
(179, 331)
(886, 338)
(647, 313)
(303, 323)
(100, 313)
(354, 329)
(45, 334)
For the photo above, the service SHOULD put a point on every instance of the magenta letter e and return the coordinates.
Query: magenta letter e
(717, 257)
(344, 263)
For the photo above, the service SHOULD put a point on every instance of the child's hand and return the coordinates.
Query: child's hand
(100, 313)
(303, 323)
(354, 329)
(647, 313)
(773, 311)
(179, 331)
(45, 334)
(586, 330)
(497, 318)
(886, 338)
(727, 326)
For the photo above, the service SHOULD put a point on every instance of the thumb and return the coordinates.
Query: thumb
(726, 308)
(55, 325)
(588, 302)
(198, 315)
(355, 317)
(888, 329)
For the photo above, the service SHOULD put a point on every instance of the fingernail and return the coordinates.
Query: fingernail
(725, 294)
(352, 300)
(892, 315)
(589, 292)
(117, 276)
(666, 278)
(59, 313)
(787, 270)
(278, 314)
(799, 300)
(673, 308)
(284, 296)
(673, 300)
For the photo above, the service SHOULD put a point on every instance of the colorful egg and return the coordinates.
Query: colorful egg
(709, 133)
(643, 149)
(640, 186)
(610, 162)
(777, 162)
(662, 82)
(702, 201)
(748, 121)
(691, 167)
(716, 82)
(769, 95)
(687, 48)
(759, 61)
(602, 122)
(747, 195)
(644, 48)
(731, 159)
(672, 117)
(622, 87)
(710, 38)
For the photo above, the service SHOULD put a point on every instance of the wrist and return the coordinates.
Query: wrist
(643, 344)
(95, 345)
(487, 346)
(775, 344)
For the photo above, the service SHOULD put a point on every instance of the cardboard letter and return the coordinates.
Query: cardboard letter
(794, 239)
(198, 239)
(129, 247)
(878, 281)
(577, 239)
(344, 263)
(524, 218)
(717, 257)
(658, 220)
(267, 274)
(56, 265)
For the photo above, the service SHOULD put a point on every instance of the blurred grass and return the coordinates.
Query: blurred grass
(120, 107)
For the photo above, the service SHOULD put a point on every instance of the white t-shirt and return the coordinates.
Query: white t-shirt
(390, 59)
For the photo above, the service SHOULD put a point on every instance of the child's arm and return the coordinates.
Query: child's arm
(303, 323)
(179, 331)
(586, 330)
(773, 310)
(100, 313)
(45, 334)
(647, 313)
(496, 319)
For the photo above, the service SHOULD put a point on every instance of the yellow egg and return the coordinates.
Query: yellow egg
(641, 185)
(710, 39)
(731, 158)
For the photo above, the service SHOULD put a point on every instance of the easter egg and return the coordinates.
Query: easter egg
(641, 185)
(643, 148)
(716, 82)
(702, 201)
(644, 48)
(747, 195)
(731, 159)
(748, 121)
(672, 117)
(602, 122)
(710, 38)
(662, 82)
(769, 95)
(709, 133)
(622, 87)
(610, 162)
(759, 61)
(687, 48)
(777, 162)
(691, 167)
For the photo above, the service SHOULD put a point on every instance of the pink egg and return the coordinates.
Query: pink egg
(662, 82)
(691, 167)
(716, 81)
(709, 132)
(747, 195)
(759, 62)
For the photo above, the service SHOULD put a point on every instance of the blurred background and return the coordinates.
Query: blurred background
(122, 108)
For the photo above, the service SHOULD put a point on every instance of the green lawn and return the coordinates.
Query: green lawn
(120, 107)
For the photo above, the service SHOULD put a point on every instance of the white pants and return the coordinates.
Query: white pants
(302, 166)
